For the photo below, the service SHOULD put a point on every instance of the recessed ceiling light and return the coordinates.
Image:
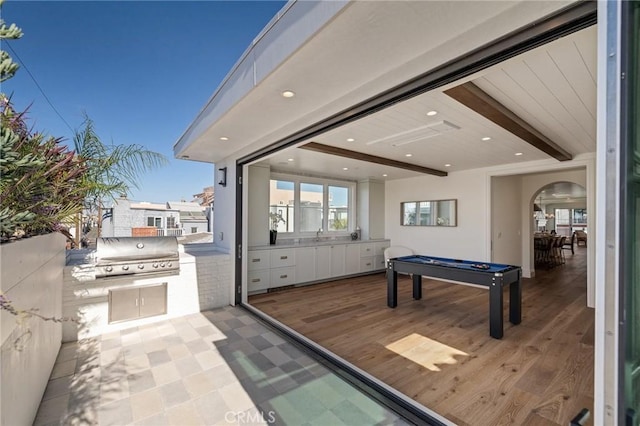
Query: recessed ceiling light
(345, 168)
(224, 138)
(486, 138)
(517, 154)
(447, 165)
(288, 94)
(385, 175)
(290, 159)
(432, 113)
(408, 155)
(350, 139)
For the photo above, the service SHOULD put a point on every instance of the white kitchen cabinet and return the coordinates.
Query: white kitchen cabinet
(352, 258)
(367, 249)
(380, 246)
(259, 259)
(283, 276)
(379, 260)
(367, 264)
(283, 257)
(306, 264)
(258, 280)
(323, 262)
(271, 268)
(338, 261)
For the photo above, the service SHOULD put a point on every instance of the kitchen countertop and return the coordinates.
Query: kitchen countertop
(311, 242)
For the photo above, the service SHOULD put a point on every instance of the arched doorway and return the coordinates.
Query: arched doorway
(559, 208)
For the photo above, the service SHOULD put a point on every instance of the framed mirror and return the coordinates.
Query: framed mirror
(429, 213)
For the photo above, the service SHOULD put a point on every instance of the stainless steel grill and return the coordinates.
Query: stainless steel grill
(136, 255)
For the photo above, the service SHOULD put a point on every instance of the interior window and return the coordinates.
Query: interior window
(338, 219)
(281, 205)
(311, 210)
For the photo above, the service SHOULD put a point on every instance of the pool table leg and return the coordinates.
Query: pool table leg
(495, 310)
(392, 287)
(515, 302)
(417, 286)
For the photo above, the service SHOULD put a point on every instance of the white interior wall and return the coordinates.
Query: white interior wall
(465, 241)
(506, 228)
(257, 180)
(376, 210)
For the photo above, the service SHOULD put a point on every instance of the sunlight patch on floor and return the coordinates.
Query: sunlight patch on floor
(425, 352)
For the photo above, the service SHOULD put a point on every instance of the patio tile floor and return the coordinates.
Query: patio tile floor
(219, 367)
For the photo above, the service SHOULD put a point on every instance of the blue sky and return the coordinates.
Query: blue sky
(141, 70)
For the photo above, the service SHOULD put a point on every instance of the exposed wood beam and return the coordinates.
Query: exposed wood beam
(479, 101)
(341, 152)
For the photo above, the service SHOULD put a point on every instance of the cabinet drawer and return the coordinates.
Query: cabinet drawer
(283, 276)
(379, 262)
(367, 263)
(379, 251)
(282, 257)
(367, 249)
(258, 280)
(258, 259)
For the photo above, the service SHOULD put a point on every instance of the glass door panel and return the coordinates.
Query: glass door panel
(630, 232)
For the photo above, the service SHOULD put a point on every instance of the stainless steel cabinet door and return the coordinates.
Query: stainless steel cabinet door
(153, 300)
(124, 304)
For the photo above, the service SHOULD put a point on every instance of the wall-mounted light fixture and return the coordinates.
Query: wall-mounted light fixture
(222, 176)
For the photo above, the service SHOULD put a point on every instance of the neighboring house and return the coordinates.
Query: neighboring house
(205, 200)
(128, 218)
(483, 102)
(193, 217)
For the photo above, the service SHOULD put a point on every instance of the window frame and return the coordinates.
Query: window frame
(326, 183)
(155, 220)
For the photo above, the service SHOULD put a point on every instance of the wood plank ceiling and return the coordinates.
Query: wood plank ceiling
(551, 88)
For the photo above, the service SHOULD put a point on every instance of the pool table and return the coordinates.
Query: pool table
(491, 275)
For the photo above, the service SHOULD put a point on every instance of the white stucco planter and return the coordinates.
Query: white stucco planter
(31, 277)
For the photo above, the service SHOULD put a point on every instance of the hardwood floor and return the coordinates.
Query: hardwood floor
(438, 350)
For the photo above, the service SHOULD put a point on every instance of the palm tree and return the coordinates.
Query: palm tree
(112, 170)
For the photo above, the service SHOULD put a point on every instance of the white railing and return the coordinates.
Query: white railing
(174, 232)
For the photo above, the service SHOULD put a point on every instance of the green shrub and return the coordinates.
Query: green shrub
(40, 179)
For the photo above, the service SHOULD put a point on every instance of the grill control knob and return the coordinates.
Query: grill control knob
(162, 264)
(169, 264)
(108, 268)
(140, 266)
(155, 264)
(125, 267)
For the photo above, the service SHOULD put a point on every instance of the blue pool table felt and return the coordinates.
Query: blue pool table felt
(455, 263)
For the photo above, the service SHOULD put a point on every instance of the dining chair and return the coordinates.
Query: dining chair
(569, 243)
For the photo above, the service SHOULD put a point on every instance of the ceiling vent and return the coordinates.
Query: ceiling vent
(417, 134)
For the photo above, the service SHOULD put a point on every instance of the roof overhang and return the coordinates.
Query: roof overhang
(334, 55)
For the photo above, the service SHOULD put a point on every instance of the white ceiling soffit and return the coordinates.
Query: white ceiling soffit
(365, 48)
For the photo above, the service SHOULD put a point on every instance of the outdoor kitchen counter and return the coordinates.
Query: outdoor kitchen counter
(201, 283)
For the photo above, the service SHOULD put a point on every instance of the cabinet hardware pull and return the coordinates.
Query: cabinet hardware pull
(255, 280)
(283, 276)
(283, 257)
(255, 260)
(369, 264)
(142, 301)
(136, 301)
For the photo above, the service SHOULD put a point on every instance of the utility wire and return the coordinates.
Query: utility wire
(38, 85)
